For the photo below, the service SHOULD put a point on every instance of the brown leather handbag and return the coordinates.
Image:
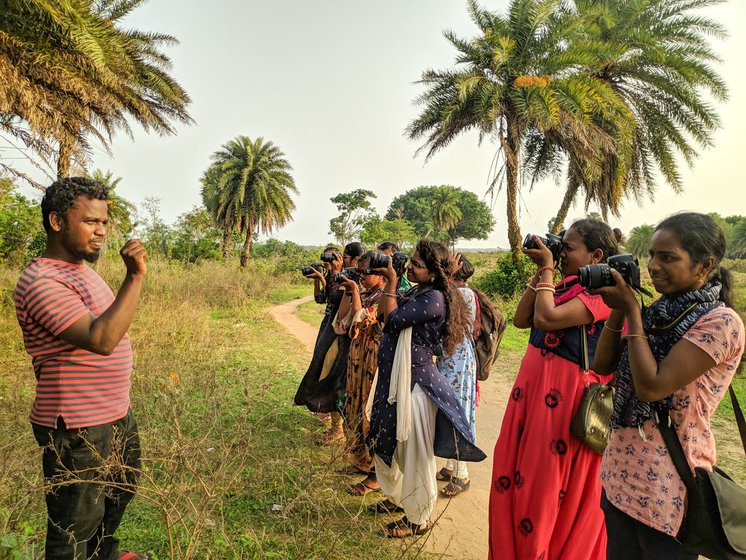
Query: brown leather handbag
(592, 420)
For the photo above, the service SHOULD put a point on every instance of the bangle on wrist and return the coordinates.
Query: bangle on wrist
(544, 289)
(608, 328)
(390, 294)
(635, 336)
(530, 287)
(545, 285)
(543, 268)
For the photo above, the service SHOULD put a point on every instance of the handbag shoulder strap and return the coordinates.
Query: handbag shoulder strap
(739, 416)
(673, 443)
(584, 355)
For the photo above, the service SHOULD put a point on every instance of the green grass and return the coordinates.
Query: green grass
(231, 468)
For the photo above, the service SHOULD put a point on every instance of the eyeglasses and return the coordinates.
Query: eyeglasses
(417, 264)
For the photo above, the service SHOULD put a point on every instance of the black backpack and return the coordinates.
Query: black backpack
(488, 332)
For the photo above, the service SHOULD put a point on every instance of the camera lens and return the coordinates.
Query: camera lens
(379, 260)
(595, 276)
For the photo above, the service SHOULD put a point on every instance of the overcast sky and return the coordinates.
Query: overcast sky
(331, 83)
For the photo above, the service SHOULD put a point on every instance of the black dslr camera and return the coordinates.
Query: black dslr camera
(328, 257)
(308, 270)
(552, 242)
(595, 276)
(350, 272)
(379, 260)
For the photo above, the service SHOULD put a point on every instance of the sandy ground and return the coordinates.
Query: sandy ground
(460, 530)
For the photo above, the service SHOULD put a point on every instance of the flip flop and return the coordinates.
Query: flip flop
(350, 470)
(455, 487)
(404, 528)
(127, 555)
(385, 506)
(443, 475)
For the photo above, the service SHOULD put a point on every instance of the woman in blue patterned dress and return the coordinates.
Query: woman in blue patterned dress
(460, 370)
(416, 414)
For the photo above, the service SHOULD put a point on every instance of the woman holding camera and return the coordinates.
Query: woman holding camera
(322, 387)
(545, 497)
(679, 355)
(359, 316)
(460, 370)
(410, 391)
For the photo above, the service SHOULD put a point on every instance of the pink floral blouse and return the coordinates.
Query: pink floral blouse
(637, 474)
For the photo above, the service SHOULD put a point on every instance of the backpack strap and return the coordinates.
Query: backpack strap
(739, 416)
(477, 329)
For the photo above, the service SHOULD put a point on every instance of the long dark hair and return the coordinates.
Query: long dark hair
(354, 249)
(702, 237)
(597, 235)
(439, 263)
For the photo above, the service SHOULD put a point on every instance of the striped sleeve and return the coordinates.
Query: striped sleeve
(53, 304)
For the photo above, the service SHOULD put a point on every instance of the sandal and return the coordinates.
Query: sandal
(385, 506)
(404, 528)
(363, 489)
(444, 475)
(455, 487)
(331, 437)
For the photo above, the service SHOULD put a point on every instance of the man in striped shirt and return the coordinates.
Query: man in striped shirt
(75, 330)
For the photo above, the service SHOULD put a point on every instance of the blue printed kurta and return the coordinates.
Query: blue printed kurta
(425, 313)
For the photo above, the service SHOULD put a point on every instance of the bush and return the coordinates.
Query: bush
(509, 277)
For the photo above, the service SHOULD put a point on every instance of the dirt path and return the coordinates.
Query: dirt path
(461, 527)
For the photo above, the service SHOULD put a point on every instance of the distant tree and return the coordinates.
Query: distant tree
(355, 209)
(465, 215)
(21, 233)
(639, 240)
(737, 248)
(155, 231)
(397, 230)
(195, 237)
(248, 188)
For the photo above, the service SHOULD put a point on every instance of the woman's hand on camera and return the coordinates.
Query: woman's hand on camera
(348, 284)
(541, 256)
(316, 275)
(388, 271)
(619, 296)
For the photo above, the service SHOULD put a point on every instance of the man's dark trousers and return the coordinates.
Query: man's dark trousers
(90, 475)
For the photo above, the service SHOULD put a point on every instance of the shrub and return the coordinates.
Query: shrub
(510, 275)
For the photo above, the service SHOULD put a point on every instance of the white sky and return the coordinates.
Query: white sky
(331, 83)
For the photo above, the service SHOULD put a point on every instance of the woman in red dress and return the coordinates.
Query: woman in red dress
(546, 494)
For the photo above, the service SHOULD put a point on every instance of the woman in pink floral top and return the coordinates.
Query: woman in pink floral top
(681, 354)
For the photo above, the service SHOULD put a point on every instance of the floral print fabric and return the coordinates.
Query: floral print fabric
(637, 474)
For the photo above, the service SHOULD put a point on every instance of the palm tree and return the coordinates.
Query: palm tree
(247, 187)
(655, 56)
(445, 211)
(70, 72)
(516, 79)
(639, 240)
(121, 210)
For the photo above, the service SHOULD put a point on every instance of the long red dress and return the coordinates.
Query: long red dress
(546, 492)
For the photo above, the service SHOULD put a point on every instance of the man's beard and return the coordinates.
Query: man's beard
(91, 257)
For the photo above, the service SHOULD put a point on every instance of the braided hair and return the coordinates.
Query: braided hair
(439, 263)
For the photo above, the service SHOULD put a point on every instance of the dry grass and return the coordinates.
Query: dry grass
(231, 469)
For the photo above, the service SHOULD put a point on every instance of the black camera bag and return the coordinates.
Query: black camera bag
(715, 519)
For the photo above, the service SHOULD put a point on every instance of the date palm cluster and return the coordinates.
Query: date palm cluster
(71, 73)
(608, 94)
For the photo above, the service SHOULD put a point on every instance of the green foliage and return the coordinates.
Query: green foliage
(195, 237)
(355, 210)
(509, 277)
(397, 230)
(22, 236)
(443, 213)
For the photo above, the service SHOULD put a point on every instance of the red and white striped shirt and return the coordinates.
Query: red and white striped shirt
(84, 388)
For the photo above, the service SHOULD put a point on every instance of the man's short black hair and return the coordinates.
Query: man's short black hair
(386, 245)
(60, 196)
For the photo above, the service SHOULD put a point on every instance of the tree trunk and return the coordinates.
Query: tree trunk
(511, 149)
(561, 216)
(246, 252)
(64, 158)
(226, 240)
